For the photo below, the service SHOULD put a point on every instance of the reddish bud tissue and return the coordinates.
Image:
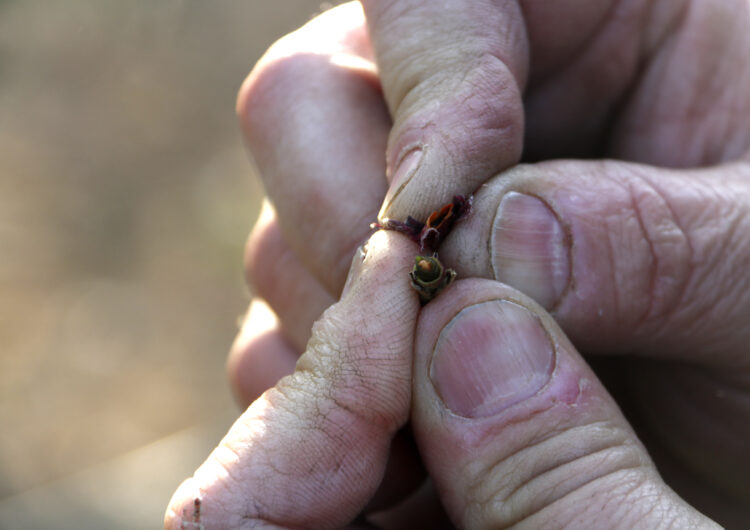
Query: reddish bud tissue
(432, 232)
(429, 276)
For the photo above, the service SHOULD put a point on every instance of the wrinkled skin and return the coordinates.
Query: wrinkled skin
(627, 220)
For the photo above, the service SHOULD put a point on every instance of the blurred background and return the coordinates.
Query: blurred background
(125, 200)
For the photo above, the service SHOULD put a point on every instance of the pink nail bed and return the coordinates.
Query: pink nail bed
(490, 356)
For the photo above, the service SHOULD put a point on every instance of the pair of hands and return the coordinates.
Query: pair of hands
(644, 255)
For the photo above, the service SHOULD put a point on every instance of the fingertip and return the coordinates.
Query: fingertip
(184, 506)
(483, 347)
(386, 254)
(508, 417)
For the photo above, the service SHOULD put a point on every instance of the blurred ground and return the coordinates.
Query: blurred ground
(125, 198)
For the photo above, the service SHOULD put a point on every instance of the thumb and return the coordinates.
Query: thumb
(452, 74)
(515, 428)
(627, 257)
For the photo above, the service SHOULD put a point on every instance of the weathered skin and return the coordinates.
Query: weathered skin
(641, 249)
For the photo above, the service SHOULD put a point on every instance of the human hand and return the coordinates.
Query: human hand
(338, 189)
(511, 423)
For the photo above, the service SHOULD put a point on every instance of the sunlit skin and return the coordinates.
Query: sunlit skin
(627, 219)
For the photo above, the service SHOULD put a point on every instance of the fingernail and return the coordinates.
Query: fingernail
(405, 170)
(529, 249)
(490, 356)
(355, 269)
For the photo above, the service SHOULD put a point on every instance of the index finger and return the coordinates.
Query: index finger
(453, 74)
(311, 452)
(316, 124)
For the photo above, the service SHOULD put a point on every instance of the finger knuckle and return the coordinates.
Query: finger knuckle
(667, 263)
(265, 88)
(275, 78)
(555, 470)
(480, 95)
